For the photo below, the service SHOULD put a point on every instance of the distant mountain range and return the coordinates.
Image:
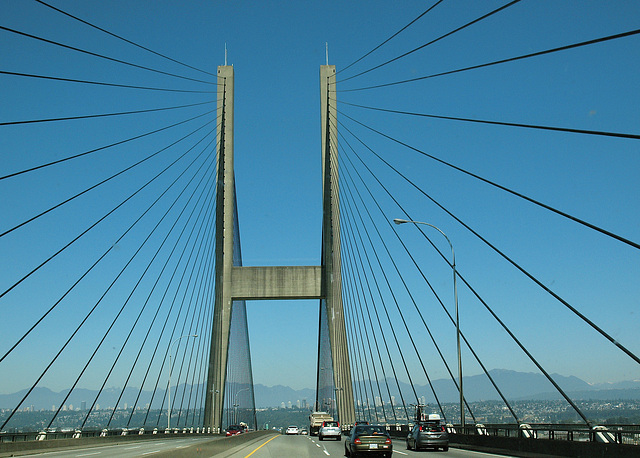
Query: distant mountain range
(513, 385)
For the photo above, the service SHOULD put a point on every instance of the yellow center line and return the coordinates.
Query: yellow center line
(260, 447)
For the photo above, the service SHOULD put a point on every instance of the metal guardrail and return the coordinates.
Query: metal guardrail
(619, 434)
(6, 437)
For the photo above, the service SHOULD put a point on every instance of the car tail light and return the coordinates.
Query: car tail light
(442, 428)
(338, 424)
(388, 441)
(357, 441)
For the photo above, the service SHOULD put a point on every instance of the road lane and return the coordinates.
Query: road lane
(122, 450)
(311, 447)
(259, 446)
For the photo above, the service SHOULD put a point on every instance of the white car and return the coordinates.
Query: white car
(330, 429)
(292, 430)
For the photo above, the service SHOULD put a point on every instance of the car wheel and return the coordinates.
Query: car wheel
(346, 451)
(446, 449)
(408, 445)
(339, 438)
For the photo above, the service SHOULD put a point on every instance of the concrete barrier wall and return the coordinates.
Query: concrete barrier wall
(6, 448)
(543, 446)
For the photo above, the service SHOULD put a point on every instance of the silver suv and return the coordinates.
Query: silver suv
(330, 429)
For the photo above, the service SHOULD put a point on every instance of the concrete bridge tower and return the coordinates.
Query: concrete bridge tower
(234, 282)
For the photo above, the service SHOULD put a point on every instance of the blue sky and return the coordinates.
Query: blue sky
(276, 49)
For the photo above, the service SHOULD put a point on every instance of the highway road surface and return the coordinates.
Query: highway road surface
(311, 447)
(265, 446)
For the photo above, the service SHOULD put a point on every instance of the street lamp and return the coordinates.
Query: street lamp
(455, 297)
(170, 370)
(236, 405)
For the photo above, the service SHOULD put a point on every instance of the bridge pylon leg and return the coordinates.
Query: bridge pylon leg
(331, 261)
(225, 213)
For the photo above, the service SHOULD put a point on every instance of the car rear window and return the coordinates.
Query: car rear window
(370, 430)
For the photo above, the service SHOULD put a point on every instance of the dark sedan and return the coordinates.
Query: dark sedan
(368, 440)
(428, 435)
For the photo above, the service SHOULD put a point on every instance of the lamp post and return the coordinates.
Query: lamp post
(170, 370)
(455, 297)
(236, 405)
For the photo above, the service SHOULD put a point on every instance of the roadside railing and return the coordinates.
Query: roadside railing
(53, 434)
(620, 434)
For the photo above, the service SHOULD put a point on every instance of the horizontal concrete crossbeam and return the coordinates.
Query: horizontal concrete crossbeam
(276, 282)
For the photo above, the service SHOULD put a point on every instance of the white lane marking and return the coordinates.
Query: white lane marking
(89, 454)
(133, 448)
(401, 453)
(326, 453)
(149, 453)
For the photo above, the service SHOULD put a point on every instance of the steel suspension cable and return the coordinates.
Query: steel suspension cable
(478, 360)
(415, 348)
(183, 299)
(98, 221)
(96, 305)
(360, 294)
(157, 280)
(197, 304)
(103, 115)
(204, 319)
(205, 343)
(101, 83)
(355, 263)
(101, 56)
(95, 263)
(484, 303)
(362, 332)
(85, 153)
(202, 237)
(357, 340)
(353, 343)
(205, 205)
(437, 347)
(348, 193)
(133, 290)
(430, 286)
(502, 61)
(391, 37)
(503, 188)
(375, 309)
(202, 216)
(359, 307)
(503, 7)
(123, 39)
(517, 266)
(501, 123)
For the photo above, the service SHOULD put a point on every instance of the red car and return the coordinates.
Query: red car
(234, 430)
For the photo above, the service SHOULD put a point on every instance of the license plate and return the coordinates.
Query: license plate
(373, 445)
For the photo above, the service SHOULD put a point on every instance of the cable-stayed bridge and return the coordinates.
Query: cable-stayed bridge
(122, 223)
